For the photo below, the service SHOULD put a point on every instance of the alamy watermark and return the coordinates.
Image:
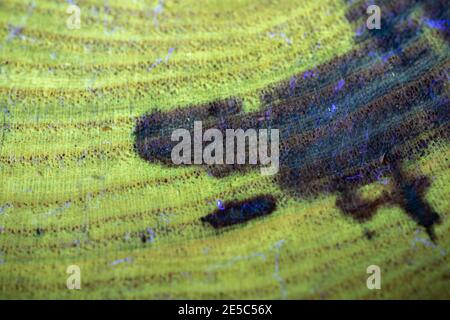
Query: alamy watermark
(74, 20)
(374, 280)
(374, 20)
(74, 280)
(235, 143)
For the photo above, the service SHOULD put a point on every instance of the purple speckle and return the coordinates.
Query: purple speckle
(118, 261)
(282, 35)
(387, 56)
(14, 32)
(309, 74)
(169, 54)
(339, 85)
(333, 108)
(390, 54)
(442, 24)
(379, 175)
(359, 32)
(292, 83)
(358, 176)
(220, 205)
(160, 60)
(151, 235)
(268, 113)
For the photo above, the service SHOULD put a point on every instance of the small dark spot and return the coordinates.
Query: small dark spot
(369, 234)
(148, 235)
(236, 212)
(39, 231)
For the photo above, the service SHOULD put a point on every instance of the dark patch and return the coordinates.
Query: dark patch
(359, 209)
(153, 131)
(148, 235)
(410, 195)
(236, 212)
(143, 237)
(39, 232)
(394, 101)
(369, 234)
